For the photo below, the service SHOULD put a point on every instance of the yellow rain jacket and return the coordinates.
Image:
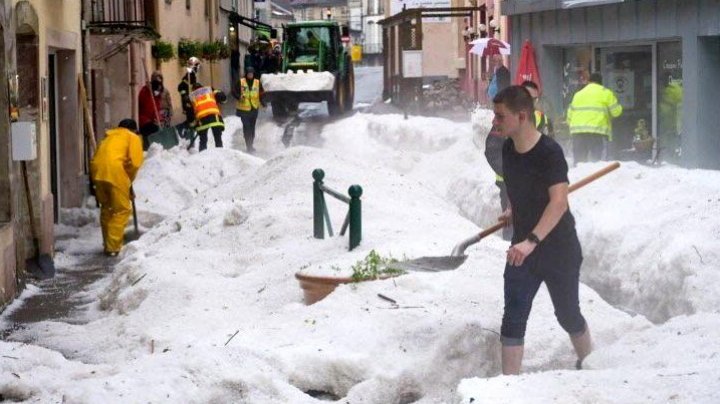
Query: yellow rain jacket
(113, 168)
(118, 158)
(592, 110)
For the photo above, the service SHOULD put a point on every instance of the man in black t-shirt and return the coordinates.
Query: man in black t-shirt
(545, 247)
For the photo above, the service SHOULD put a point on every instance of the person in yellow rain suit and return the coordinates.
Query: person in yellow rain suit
(113, 169)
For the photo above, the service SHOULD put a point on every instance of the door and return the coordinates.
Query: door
(628, 72)
(52, 124)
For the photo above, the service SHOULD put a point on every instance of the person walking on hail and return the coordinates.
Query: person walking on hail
(248, 106)
(545, 245)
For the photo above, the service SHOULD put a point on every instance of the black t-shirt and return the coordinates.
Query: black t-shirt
(527, 178)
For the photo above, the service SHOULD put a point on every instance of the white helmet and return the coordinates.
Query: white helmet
(193, 64)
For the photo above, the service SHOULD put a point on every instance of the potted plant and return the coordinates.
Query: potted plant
(188, 48)
(162, 51)
(373, 267)
(215, 50)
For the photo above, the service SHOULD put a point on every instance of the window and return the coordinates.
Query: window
(669, 99)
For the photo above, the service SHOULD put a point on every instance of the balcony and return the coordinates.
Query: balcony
(122, 16)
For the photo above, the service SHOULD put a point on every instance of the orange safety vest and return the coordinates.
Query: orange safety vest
(204, 103)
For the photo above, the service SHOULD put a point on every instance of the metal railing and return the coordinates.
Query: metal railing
(118, 12)
(321, 217)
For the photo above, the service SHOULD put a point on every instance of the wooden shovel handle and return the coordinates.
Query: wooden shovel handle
(574, 186)
(460, 248)
(592, 177)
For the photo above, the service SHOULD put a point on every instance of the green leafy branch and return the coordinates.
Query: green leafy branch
(374, 266)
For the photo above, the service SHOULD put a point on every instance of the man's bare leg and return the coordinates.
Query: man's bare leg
(583, 346)
(512, 359)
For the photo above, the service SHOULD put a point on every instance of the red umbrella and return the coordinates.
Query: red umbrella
(528, 70)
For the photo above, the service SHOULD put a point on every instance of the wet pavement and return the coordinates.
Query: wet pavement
(59, 298)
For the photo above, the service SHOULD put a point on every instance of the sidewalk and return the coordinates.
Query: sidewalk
(60, 298)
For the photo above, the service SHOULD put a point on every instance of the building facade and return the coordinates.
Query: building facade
(120, 50)
(42, 61)
(309, 10)
(446, 41)
(661, 57)
(275, 13)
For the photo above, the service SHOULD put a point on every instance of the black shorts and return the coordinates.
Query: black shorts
(559, 268)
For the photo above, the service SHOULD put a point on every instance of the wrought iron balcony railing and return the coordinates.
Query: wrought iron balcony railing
(122, 14)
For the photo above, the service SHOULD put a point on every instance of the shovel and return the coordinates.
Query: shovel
(457, 257)
(134, 212)
(41, 266)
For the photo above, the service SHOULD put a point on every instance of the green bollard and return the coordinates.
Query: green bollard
(318, 203)
(355, 192)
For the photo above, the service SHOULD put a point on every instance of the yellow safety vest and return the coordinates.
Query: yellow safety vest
(204, 103)
(592, 109)
(249, 97)
(539, 119)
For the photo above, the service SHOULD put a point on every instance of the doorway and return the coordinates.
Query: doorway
(52, 125)
(5, 194)
(628, 72)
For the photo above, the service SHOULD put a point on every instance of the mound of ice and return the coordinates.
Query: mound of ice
(298, 82)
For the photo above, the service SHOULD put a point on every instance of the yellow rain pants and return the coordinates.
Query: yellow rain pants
(115, 209)
(113, 168)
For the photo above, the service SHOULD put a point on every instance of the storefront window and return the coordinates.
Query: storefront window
(627, 71)
(577, 64)
(669, 99)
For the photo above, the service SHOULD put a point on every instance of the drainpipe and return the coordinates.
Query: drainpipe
(132, 84)
(86, 48)
(211, 32)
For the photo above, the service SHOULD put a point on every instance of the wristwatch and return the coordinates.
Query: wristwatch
(533, 238)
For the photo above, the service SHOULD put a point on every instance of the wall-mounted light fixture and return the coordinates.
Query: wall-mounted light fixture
(494, 27)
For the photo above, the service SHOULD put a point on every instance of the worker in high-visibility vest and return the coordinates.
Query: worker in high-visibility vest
(542, 121)
(207, 114)
(248, 106)
(113, 169)
(589, 118)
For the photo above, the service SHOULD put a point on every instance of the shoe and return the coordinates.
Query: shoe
(578, 364)
(111, 253)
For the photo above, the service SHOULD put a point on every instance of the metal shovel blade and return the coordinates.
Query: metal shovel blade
(430, 264)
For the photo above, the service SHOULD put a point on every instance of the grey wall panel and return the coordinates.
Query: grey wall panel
(563, 26)
(691, 74)
(549, 27)
(594, 19)
(611, 27)
(627, 20)
(536, 27)
(578, 28)
(709, 17)
(525, 21)
(687, 18)
(704, 143)
(647, 19)
(666, 25)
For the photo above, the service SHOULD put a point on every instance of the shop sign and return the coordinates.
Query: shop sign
(622, 83)
(396, 6)
(412, 61)
(585, 3)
